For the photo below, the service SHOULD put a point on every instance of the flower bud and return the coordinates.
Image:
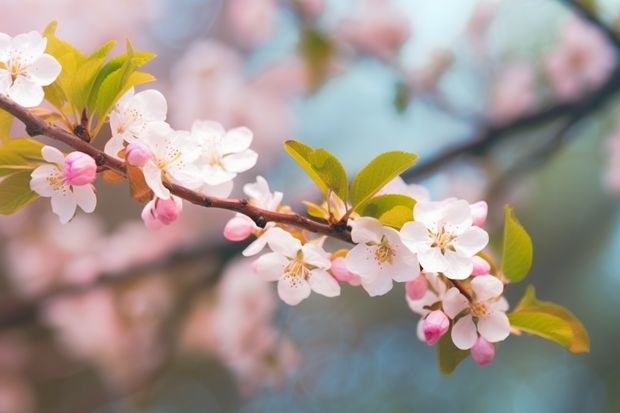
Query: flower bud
(416, 288)
(435, 325)
(479, 212)
(79, 169)
(481, 266)
(137, 155)
(168, 210)
(483, 352)
(341, 273)
(149, 218)
(238, 228)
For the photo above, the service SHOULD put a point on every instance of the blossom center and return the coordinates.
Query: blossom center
(384, 252)
(441, 239)
(478, 309)
(296, 270)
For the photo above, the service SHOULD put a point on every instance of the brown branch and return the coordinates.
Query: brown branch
(37, 126)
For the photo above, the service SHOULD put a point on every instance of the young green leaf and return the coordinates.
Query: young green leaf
(448, 355)
(15, 192)
(6, 120)
(18, 154)
(392, 210)
(550, 321)
(517, 248)
(322, 167)
(376, 174)
(27, 148)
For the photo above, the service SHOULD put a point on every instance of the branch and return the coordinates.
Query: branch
(38, 126)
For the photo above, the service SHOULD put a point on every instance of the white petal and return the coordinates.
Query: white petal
(486, 287)
(63, 205)
(464, 333)
(471, 241)
(5, 44)
(365, 229)
(152, 176)
(270, 266)
(456, 215)
(5, 81)
(454, 302)
(205, 129)
(499, 305)
(361, 260)
(283, 242)
(29, 44)
(459, 267)
(215, 175)
(323, 283)
(152, 103)
(255, 246)
(432, 260)
(494, 326)
(414, 235)
(377, 285)
(428, 213)
(85, 197)
(40, 183)
(44, 70)
(52, 154)
(114, 145)
(292, 290)
(316, 256)
(26, 92)
(236, 140)
(240, 162)
(221, 191)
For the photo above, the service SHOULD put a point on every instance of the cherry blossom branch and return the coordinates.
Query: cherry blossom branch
(37, 126)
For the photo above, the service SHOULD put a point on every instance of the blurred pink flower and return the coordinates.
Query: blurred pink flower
(378, 29)
(612, 176)
(512, 92)
(581, 60)
(250, 22)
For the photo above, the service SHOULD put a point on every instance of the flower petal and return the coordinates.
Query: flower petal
(464, 333)
(292, 290)
(283, 242)
(236, 140)
(85, 197)
(44, 70)
(323, 283)
(360, 260)
(494, 326)
(454, 302)
(414, 235)
(270, 266)
(432, 260)
(487, 287)
(471, 241)
(240, 162)
(63, 205)
(459, 267)
(365, 229)
(378, 284)
(53, 155)
(316, 256)
(153, 178)
(26, 92)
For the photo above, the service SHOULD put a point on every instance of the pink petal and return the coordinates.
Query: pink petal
(464, 333)
(494, 327)
(487, 287)
(471, 241)
(454, 302)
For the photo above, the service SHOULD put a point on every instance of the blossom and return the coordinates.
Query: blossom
(434, 326)
(422, 293)
(482, 352)
(159, 212)
(297, 268)
(581, 60)
(379, 256)
(224, 154)
(67, 185)
(25, 69)
(485, 314)
(133, 116)
(173, 156)
(443, 237)
(513, 92)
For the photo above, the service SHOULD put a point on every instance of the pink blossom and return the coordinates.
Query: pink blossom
(341, 273)
(79, 169)
(479, 211)
(378, 29)
(481, 266)
(512, 92)
(483, 352)
(581, 60)
(137, 155)
(434, 326)
(417, 287)
(250, 22)
(239, 228)
(159, 212)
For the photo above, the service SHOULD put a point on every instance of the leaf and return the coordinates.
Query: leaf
(315, 210)
(18, 154)
(517, 248)
(323, 167)
(550, 321)
(391, 209)
(85, 77)
(377, 174)
(6, 121)
(15, 192)
(448, 355)
(27, 148)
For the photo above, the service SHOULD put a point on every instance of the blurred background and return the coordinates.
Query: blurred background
(510, 101)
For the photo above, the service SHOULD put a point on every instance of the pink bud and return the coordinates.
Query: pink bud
(417, 287)
(479, 212)
(149, 218)
(483, 352)
(342, 274)
(481, 266)
(435, 325)
(79, 169)
(238, 228)
(137, 155)
(168, 210)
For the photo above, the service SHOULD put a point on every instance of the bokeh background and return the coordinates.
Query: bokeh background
(101, 315)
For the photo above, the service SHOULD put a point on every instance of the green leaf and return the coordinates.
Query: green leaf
(323, 167)
(15, 192)
(18, 154)
(517, 248)
(87, 74)
(27, 148)
(6, 121)
(448, 355)
(550, 321)
(377, 173)
(392, 210)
